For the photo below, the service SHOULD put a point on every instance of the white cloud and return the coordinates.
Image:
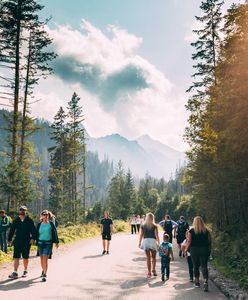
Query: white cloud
(145, 101)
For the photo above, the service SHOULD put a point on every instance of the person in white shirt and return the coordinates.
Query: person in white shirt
(138, 223)
(189, 260)
(133, 224)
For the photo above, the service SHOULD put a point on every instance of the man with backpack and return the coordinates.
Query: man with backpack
(180, 232)
(167, 224)
(4, 225)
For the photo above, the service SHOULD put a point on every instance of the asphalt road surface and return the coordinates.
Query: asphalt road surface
(81, 272)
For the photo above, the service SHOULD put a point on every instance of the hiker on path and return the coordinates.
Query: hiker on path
(180, 232)
(189, 260)
(46, 236)
(168, 225)
(138, 223)
(199, 242)
(24, 233)
(4, 225)
(106, 232)
(149, 236)
(166, 254)
(133, 224)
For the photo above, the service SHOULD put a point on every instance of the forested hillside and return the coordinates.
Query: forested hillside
(218, 130)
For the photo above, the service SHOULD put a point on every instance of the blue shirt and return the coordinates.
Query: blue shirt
(45, 232)
(165, 247)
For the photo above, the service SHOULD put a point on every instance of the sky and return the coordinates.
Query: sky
(129, 61)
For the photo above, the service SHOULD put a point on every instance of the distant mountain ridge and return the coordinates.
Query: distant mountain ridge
(142, 155)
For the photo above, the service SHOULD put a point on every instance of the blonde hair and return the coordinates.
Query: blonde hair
(150, 220)
(199, 225)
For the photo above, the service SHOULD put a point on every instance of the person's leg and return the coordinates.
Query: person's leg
(134, 227)
(103, 245)
(25, 263)
(204, 264)
(163, 265)
(16, 264)
(108, 244)
(1, 240)
(196, 263)
(45, 264)
(148, 261)
(190, 266)
(5, 248)
(167, 267)
(154, 254)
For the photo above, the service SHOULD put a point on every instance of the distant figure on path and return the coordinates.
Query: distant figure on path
(138, 223)
(166, 254)
(180, 232)
(133, 224)
(149, 235)
(106, 232)
(47, 235)
(24, 233)
(199, 242)
(189, 260)
(168, 226)
(4, 225)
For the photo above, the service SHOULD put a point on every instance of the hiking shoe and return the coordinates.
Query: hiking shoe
(197, 284)
(162, 278)
(107, 252)
(42, 274)
(205, 286)
(167, 278)
(43, 277)
(13, 275)
(25, 274)
(103, 252)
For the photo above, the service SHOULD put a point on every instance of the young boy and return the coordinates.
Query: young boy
(189, 260)
(166, 254)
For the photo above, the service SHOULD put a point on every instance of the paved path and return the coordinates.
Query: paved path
(81, 272)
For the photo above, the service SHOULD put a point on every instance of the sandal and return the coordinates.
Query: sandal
(149, 275)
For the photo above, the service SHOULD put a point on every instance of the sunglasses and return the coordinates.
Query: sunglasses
(44, 214)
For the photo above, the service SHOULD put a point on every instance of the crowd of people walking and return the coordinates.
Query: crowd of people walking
(22, 234)
(194, 243)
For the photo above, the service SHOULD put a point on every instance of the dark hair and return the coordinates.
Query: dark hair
(168, 217)
(182, 217)
(166, 236)
(2, 211)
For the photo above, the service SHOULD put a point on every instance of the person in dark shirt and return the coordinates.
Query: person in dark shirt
(106, 232)
(24, 233)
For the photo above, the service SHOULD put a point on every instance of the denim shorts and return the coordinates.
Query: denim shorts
(45, 249)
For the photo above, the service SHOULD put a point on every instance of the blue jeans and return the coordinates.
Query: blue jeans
(165, 266)
(3, 241)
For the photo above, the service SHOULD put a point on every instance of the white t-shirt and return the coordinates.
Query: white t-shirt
(133, 221)
(184, 243)
(138, 221)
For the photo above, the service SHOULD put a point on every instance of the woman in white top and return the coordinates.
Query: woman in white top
(133, 224)
(138, 222)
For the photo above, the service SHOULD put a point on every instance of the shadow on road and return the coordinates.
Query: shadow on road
(17, 284)
(129, 284)
(139, 258)
(92, 256)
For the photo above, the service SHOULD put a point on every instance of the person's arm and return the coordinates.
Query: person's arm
(157, 236)
(210, 241)
(111, 228)
(174, 224)
(161, 223)
(171, 254)
(141, 236)
(11, 232)
(33, 232)
(7, 223)
(101, 228)
(56, 238)
(188, 242)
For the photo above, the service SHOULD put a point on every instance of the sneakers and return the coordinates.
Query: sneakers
(191, 279)
(197, 284)
(107, 252)
(205, 286)
(13, 275)
(43, 278)
(162, 278)
(42, 274)
(103, 252)
(25, 273)
(154, 273)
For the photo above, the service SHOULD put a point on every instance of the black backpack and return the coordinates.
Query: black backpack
(168, 227)
(182, 228)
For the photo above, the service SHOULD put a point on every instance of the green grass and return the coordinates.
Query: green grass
(74, 233)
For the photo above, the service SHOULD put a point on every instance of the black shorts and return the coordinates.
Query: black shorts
(106, 236)
(21, 250)
(181, 238)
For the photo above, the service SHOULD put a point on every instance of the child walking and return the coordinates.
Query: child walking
(166, 254)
